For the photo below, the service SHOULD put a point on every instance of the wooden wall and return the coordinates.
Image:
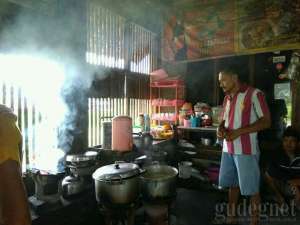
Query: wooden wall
(259, 71)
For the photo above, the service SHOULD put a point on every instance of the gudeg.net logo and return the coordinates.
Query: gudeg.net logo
(267, 212)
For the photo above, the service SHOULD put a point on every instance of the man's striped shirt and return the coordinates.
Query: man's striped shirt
(241, 110)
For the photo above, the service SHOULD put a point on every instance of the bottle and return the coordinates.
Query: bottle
(146, 123)
(140, 122)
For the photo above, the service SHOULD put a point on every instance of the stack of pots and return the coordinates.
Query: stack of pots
(82, 164)
(81, 167)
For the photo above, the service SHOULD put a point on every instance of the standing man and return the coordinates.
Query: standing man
(13, 199)
(245, 112)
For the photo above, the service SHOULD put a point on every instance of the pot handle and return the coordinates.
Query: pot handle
(155, 163)
(114, 179)
(142, 170)
(117, 164)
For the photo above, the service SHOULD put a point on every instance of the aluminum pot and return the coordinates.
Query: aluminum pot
(82, 164)
(159, 181)
(72, 186)
(82, 171)
(82, 160)
(117, 183)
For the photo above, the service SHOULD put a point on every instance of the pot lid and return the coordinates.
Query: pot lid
(116, 171)
(89, 155)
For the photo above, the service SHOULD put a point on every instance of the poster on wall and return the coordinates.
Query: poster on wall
(200, 29)
(267, 25)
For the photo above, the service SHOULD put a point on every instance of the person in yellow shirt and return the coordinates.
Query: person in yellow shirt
(14, 208)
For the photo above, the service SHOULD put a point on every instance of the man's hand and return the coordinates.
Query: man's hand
(221, 131)
(232, 135)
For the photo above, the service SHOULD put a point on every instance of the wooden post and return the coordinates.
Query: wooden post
(251, 69)
(216, 94)
(296, 105)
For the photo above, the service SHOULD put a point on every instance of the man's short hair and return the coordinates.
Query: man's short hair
(235, 69)
(230, 70)
(291, 132)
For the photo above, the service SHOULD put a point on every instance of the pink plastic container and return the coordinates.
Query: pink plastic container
(186, 123)
(122, 134)
(213, 174)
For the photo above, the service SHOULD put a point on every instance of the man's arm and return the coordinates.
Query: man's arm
(260, 124)
(13, 194)
(262, 112)
(221, 131)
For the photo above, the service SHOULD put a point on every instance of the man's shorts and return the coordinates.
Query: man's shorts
(240, 171)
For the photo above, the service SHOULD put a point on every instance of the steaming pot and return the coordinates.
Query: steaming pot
(159, 182)
(82, 164)
(122, 133)
(117, 183)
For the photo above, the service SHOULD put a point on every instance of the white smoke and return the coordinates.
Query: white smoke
(40, 54)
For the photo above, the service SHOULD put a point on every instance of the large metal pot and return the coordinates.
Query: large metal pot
(159, 182)
(47, 184)
(82, 164)
(117, 183)
(82, 160)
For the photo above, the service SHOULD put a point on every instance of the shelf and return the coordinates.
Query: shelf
(171, 105)
(170, 120)
(165, 105)
(167, 84)
(199, 129)
(167, 102)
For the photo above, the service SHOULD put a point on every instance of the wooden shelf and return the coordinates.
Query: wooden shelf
(170, 120)
(167, 85)
(198, 129)
(161, 104)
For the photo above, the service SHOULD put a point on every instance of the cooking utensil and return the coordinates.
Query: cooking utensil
(72, 186)
(82, 164)
(117, 183)
(47, 184)
(159, 181)
(82, 159)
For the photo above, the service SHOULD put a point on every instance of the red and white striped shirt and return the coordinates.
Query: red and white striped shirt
(241, 110)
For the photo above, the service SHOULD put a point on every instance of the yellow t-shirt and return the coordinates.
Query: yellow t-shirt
(10, 138)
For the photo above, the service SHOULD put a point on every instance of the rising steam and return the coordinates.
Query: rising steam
(41, 55)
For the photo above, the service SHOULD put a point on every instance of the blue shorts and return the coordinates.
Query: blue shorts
(240, 171)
